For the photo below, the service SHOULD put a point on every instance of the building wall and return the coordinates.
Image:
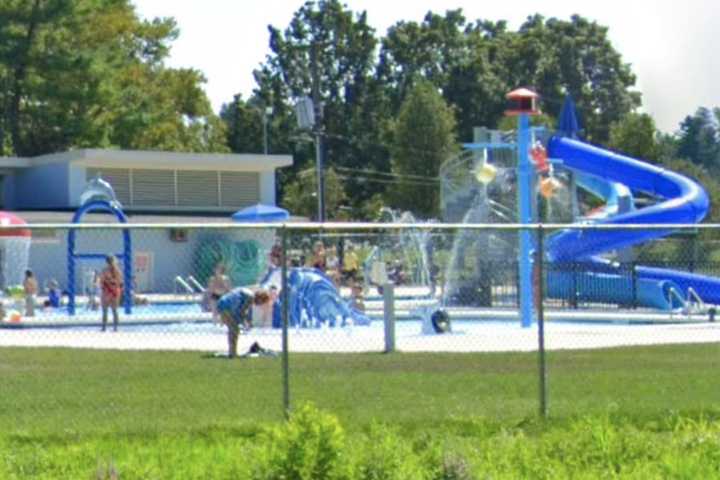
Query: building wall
(77, 180)
(9, 196)
(49, 256)
(267, 188)
(43, 186)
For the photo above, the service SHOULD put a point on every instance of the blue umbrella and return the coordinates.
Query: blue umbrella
(568, 125)
(260, 214)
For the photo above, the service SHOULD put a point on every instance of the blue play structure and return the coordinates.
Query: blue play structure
(313, 300)
(97, 205)
(684, 201)
(576, 271)
(577, 268)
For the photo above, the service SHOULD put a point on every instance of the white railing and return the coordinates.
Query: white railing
(193, 281)
(179, 281)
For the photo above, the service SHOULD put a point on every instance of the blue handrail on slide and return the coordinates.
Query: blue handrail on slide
(683, 202)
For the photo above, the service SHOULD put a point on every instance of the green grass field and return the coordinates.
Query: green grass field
(80, 414)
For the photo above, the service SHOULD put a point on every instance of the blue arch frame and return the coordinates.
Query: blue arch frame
(125, 256)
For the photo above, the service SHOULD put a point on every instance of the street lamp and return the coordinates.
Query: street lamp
(305, 112)
(266, 115)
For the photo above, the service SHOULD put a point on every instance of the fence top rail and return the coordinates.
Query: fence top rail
(347, 226)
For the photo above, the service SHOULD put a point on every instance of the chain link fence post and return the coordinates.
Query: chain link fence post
(539, 259)
(285, 310)
(389, 316)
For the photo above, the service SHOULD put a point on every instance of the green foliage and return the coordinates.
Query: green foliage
(635, 135)
(90, 73)
(327, 52)
(83, 413)
(704, 178)
(699, 139)
(310, 446)
(476, 64)
(301, 195)
(385, 455)
(421, 139)
(508, 123)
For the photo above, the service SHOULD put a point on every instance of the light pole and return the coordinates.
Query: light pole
(266, 114)
(306, 114)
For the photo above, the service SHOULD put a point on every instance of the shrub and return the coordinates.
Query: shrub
(385, 456)
(307, 447)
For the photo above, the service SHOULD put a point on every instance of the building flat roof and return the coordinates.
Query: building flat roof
(245, 162)
(39, 217)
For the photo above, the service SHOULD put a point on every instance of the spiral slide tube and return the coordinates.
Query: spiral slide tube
(683, 201)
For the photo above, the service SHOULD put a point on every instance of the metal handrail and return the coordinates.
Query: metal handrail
(193, 281)
(181, 281)
(683, 302)
(693, 295)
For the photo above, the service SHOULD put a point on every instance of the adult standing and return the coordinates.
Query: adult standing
(111, 285)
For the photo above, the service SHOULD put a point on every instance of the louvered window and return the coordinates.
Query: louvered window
(171, 188)
(197, 189)
(239, 189)
(153, 188)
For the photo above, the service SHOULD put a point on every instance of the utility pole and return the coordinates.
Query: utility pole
(318, 107)
(267, 111)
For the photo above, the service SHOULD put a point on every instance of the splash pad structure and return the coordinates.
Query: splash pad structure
(544, 170)
(14, 250)
(100, 197)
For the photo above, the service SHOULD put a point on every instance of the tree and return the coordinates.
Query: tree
(421, 139)
(635, 135)
(301, 195)
(327, 53)
(699, 139)
(243, 125)
(90, 73)
(475, 65)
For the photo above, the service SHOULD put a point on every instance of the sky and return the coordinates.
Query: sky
(669, 43)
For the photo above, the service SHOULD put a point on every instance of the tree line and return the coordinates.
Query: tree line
(91, 73)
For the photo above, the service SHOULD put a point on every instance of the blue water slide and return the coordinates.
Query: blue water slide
(684, 201)
(681, 201)
(617, 197)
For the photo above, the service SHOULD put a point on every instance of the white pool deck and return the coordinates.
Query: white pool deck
(491, 330)
(466, 337)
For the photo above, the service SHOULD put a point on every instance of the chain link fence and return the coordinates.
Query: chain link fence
(441, 294)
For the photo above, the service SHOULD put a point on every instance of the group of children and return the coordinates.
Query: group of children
(233, 307)
(109, 282)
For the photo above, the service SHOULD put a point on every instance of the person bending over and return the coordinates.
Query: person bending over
(235, 308)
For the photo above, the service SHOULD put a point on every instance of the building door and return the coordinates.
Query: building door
(143, 271)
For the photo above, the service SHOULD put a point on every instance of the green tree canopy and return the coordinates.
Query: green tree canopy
(475, 65)
(327, 53)
(635, 135)
(699, 138)
(301, 195)
(421, 139)
(90, 73)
